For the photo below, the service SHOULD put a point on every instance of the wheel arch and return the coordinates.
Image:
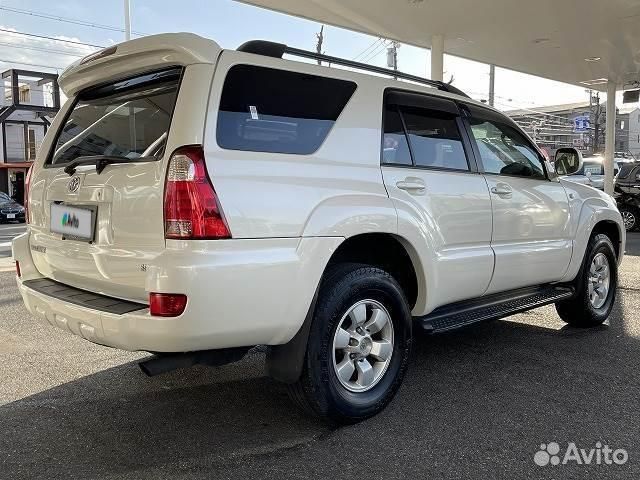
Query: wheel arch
(612, 230)
(387, 251)
(595, 217)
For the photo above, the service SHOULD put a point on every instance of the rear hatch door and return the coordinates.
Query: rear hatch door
(96, 202)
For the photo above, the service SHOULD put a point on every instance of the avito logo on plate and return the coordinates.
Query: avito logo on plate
(70, 220)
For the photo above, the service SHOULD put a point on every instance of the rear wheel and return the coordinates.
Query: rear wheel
(595, 286)
(358, 347)
(630, 217)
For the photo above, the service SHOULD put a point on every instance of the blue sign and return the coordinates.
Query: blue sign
(581, 123)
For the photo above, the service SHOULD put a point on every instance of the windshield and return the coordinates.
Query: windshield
(128, 119)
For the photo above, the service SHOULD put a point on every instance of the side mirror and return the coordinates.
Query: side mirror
(568, 161)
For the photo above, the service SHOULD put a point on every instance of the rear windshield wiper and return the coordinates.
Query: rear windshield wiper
(101, 161)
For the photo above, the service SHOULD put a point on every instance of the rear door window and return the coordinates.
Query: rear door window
(395, 147)
(435, 139)
(130, 119)
(269, 110)
(422, 131)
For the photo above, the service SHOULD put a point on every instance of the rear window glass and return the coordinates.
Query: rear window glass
(129, 119)
(268, 110)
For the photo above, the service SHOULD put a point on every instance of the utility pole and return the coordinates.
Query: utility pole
(127, 20)
(320, 37)
(492, 84)
(392, 56)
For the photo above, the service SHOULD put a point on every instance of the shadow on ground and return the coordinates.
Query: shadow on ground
(476, 403)
(481, 399)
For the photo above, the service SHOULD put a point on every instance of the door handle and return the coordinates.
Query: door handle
(501, 189)
(411, 185)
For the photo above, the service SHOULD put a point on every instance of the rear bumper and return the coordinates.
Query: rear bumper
(240, 293)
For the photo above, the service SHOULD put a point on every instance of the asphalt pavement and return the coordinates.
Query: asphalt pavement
(477, 403)
(7, 232)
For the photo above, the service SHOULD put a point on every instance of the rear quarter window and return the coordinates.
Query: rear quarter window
(270, 110)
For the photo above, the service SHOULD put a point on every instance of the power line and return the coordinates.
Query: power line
(4, 60)
(375, 53)
(366, 49)
(6, 30)
(75, 21)
(41, 49)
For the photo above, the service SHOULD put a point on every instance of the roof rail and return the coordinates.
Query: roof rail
(277, 50)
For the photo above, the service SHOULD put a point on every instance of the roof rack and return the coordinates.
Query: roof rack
(277, 50)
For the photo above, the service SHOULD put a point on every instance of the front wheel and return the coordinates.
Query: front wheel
(630, 217)
(595, 286)
(359, 345)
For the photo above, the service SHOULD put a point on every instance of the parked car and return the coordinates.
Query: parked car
(627, 193)
(10, 210)
(592, 172)
(625, 156)
(195, 202)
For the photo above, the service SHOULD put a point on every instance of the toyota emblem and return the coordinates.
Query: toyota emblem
(73, 185)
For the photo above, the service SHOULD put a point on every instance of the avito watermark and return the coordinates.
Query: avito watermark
(550, 454)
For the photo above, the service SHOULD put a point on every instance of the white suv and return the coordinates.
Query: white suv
(195, 202)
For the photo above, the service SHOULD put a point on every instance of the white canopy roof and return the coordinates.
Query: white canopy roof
(580, 42)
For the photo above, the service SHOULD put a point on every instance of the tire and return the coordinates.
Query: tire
(581, 310)
(630, 217)
(348, 399)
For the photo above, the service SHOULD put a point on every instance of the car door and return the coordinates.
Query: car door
(443, 203)
(531, 230)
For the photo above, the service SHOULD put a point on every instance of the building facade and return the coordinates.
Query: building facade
(28, 103)
(580, 125)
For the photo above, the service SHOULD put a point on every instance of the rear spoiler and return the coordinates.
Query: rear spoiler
(137, 56)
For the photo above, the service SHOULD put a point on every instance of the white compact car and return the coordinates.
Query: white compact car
(195, 202)
(592, 171)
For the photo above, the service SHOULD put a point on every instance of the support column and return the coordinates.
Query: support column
(610, 137)
(437, 57)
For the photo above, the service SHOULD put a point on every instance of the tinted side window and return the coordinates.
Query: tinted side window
(395, 149)
(435, 139)
(505, 151)
(625, 170)
(268, 110)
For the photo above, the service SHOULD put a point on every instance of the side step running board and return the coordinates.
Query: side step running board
(460, 314)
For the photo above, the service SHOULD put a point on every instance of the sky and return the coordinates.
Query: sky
(100, 23)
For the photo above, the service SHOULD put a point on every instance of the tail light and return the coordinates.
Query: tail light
(167, 304)
(191, 208)
(18, 269)
(25, 202)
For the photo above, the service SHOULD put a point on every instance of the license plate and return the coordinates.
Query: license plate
(72, 222)
(11, 215)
